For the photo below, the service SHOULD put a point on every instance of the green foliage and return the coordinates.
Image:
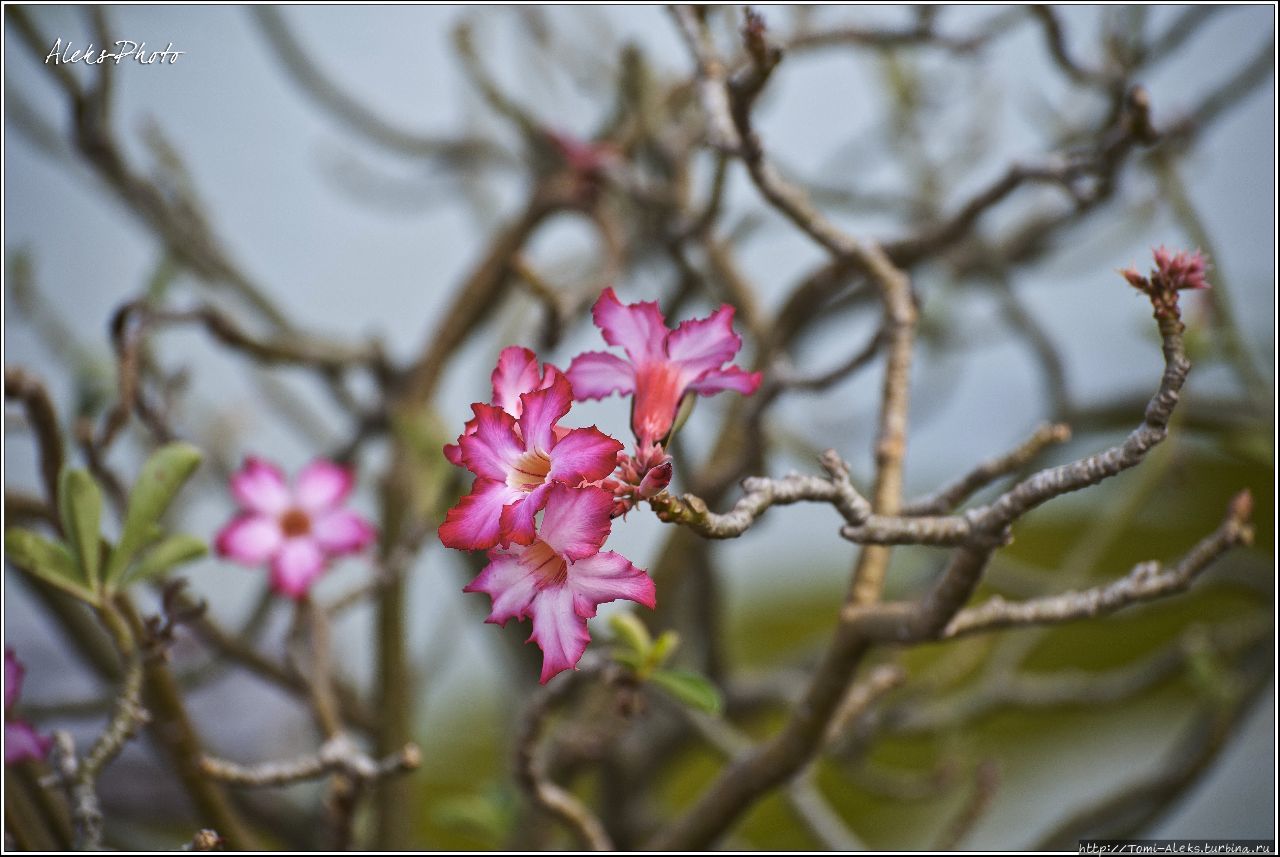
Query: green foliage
(164, 473)
(166, 554)
(49, 561)
(636, 649)
(143, 551)
(80, 507)
(690, 688)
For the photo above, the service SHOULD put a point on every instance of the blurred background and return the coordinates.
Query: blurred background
(357, 229)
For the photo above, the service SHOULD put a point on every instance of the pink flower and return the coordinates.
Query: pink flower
(562, 576)
(296, 531)
(516, 373)
(516, 463)
(663, 364)
(21, 742)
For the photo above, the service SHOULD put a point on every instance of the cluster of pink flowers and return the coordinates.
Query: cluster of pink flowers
(553, 570)
(1173, 273)
(21, 741)
(296, 532)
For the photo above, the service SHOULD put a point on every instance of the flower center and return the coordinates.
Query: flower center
(657, 398)
(530, 471)
(295, 522)
(547, 566)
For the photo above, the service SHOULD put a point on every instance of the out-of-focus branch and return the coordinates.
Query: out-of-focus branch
(337, 755)
(1003, 687)
(1056, 41)
(722, 134)
(178, 224)
(1147, 581)
(354, 115)
(923, 33)
(986, 779)
(21, 386)
(531, 772)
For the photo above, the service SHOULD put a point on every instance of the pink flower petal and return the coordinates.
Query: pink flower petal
(542, 410)
(250, 538)
(342, 531)
(700, 345)
(259, 486)
(14, 672)
(583, 455)
(517, 522)
(492, 451)
(475, 523)
(608, 576)
(729, 378)
(659, 388)
(322, 485)
(296, 566)
(22, 743)
(576, 521)
(516, 373)
(597, 374)
(509, 584)
(558, 630)
(453, 454)
(638, 328)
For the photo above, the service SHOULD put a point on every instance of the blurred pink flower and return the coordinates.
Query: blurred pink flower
(21, 741)
(297, 531)
(562, 576)
(516, 463)
(662, 366)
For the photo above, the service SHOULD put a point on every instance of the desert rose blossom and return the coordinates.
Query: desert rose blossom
(297, 531)
(516, 463)
(21, 741)
(517, 373)
(560, 578)
(662, 365)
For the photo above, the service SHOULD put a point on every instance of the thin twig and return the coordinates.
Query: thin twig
(531, 771)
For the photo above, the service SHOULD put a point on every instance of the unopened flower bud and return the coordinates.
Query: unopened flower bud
(656, 480)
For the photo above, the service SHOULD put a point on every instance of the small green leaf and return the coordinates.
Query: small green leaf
(80, 505)
(49, 561)
(629, 659)
(631, 632)
(172, 551)
(163, 474)
(690, 688)
(663, 647)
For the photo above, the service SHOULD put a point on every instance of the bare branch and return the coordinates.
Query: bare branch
(761, 494)
(337, 755)
(950, 496)
(1147, 581)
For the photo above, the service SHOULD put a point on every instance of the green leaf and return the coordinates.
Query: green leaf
(629, 659)
(663, 647)
(49, 561)
(691, 689)
(170, 552)
(631, 632)
(163, 474)
(80, 505)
